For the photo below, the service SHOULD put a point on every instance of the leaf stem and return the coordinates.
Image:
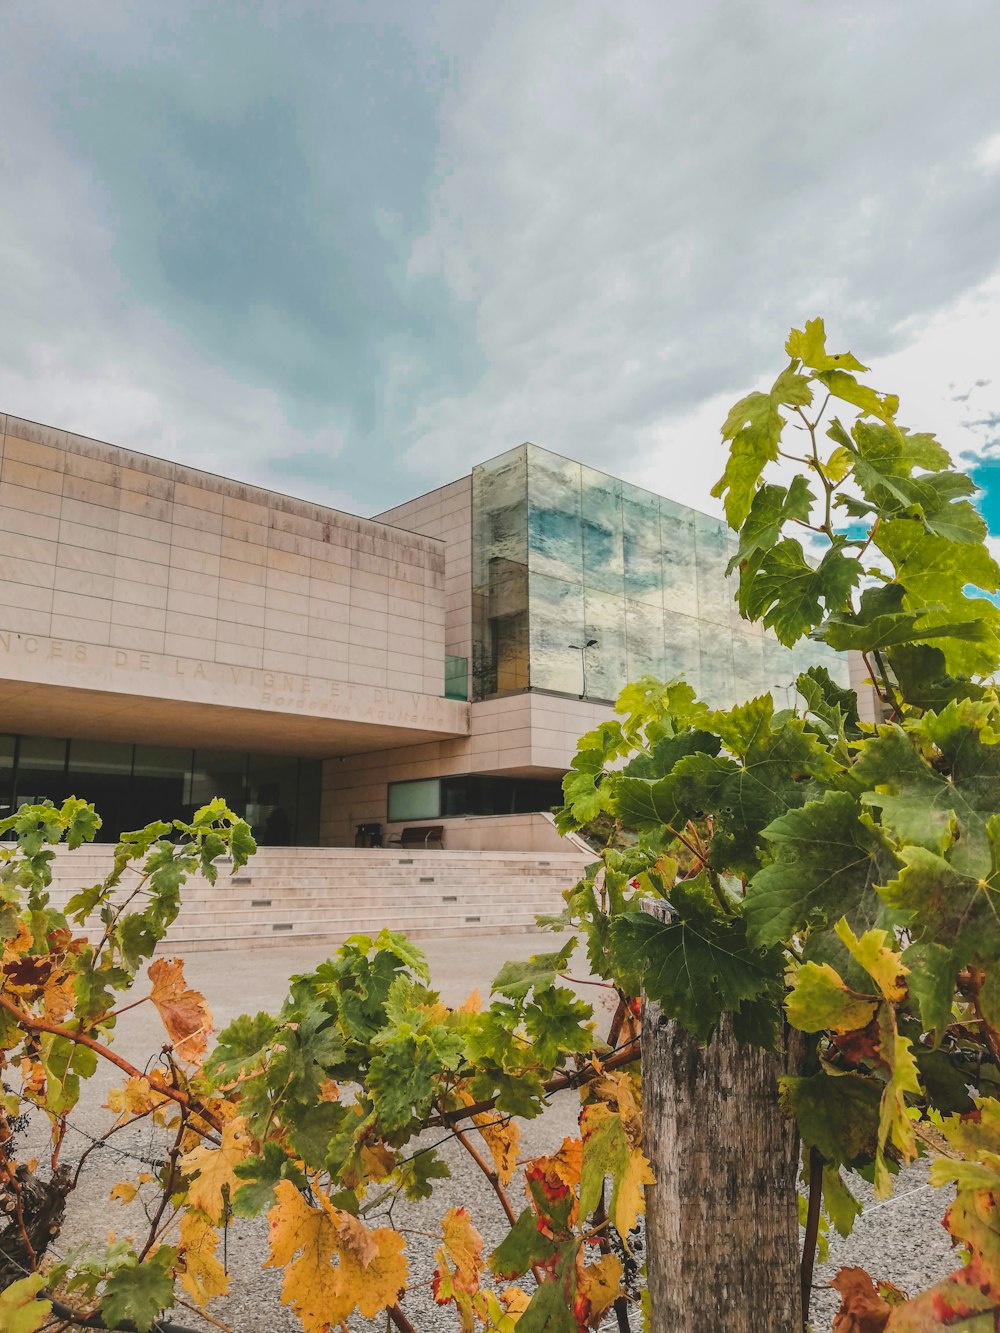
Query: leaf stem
(31, 1024)
(812, 1230)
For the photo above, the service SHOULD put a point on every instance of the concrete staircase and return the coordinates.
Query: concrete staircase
(328, 893)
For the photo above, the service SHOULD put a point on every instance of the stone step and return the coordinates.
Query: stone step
(328, 894)
(329, 939)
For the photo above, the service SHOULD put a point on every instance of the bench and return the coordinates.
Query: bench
(421, 835)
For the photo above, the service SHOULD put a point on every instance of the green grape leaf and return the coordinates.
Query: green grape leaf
(931, 983)
(772, 507)
(557, 1024)
(827, 856)
(261, 1174)
(21, 1310)
(839, 1204)
(949, 909)
(401, 1081)
(918, 805)
(844, 386)
(743, 793)
(695, 967)
(138, 1292)
(837, 1114)
(923, 680)
(828, 702)
(548, 1311)
(754, 427)
(516, 979)
(416, 1175)
(933, 573)
(523, 1246)
(808, 345)
(819, 1000)
(788, 593)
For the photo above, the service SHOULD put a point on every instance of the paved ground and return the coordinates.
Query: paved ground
(902, 1240)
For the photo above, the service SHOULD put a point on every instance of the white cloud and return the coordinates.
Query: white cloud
(640, 202)
(632, 204)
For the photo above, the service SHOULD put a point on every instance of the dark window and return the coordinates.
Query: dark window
(41, 771)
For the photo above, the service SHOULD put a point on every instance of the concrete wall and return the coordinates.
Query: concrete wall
(138, 577)
(500, 833)
(446, 513)
(531, 734)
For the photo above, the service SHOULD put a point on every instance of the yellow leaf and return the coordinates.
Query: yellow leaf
(340, 1264)
(377, 1161)
(608, 1150)
(819, 1000)
(137, 1097)
(18, 944)
(214, 1166)
(202, 1276)
(124, 1192)
(894, 1125)
(20, 1308)
(59, 995)
(500, 1134)
(472, 1005)
(599, 1284)
(515, 1301)
(329, 1091)
(621, 1092)
(459, 1265)
(184, 1011)
(883, 965)
(502, 1315)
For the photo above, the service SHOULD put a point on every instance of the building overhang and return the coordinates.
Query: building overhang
(55, 687)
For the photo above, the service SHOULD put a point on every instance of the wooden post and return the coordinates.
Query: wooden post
(722, 1228)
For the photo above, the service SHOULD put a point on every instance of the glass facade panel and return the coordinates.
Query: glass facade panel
(641, 546)
(219, 773)
(500, 575)
(563, 554)
(415, 800)
(471, 794)
(101, 772)
(160, 784)
(605, 622)
(133, 785)
(682, 650)
(555, 524)
(603, 535)
(41, 771)
(555, 622)
(644, 641)
(711, 557)
(677, 545)
(8, 745)
(456, 677)
(715, 650)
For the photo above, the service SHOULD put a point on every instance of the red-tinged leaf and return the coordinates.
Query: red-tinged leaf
(862, 1309)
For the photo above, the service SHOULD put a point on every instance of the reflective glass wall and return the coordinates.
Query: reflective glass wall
(582, 582)
(131, 785)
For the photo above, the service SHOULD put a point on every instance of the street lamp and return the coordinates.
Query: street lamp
(581, 648)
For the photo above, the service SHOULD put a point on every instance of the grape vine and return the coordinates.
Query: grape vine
(819, 872)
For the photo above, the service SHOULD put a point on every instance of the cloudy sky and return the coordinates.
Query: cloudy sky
(348, 249)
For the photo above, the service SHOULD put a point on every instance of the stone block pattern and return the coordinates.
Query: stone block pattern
(446, 514)
(100, 545)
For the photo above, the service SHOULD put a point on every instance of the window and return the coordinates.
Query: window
(414, 800)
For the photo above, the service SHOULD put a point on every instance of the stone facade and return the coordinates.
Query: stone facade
(143, 589)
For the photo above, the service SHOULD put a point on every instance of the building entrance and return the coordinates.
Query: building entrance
(132, 785)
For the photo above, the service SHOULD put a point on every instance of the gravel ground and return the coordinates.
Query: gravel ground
(901, 1239)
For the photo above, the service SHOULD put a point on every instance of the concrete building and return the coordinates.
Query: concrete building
(167, 635)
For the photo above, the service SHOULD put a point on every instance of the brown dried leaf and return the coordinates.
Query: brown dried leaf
(184, 1012)
(862, 1309)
